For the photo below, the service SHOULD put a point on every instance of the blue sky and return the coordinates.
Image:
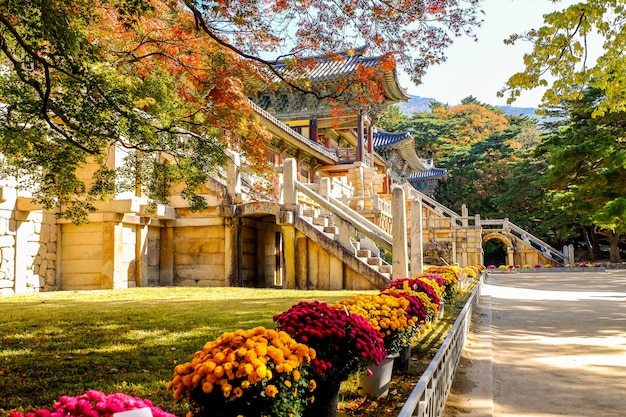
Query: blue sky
(482, 68)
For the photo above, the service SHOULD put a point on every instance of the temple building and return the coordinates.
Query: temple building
(347, 206)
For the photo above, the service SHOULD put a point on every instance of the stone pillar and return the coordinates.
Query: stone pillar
(417, 251)
(400, 266)
(233, 178)
(285, 220)
(112, 245)
(510, 252)
(21, 257)
(141, 254)
(290, 174)
(166, 256)
(301, 266)
(232, 245)
(464, 215)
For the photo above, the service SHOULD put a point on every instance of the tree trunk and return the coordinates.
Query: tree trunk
(614, 256)
(591, 240)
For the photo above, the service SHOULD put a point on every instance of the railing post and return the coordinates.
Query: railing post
(290, 173)
(464, 214)
(400, 266)
(324, 189)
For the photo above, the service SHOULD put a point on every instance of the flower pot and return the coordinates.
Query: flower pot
(403, 361)
(376, 384)
(326, 400)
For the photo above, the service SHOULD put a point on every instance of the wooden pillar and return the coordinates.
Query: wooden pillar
(417, 252)
(370, 143)
(359, 133)
(314, 130)
(400, 266)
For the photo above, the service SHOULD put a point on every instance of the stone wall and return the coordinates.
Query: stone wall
(28, 245)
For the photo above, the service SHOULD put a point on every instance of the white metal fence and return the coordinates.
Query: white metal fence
(428, 398)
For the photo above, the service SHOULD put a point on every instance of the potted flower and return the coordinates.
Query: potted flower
(424, 290)
(389, 315)
(450, 277)
(95, 404)
(247, 373)
(344, 343)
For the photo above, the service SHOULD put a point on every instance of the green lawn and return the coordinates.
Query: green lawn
(53, 344)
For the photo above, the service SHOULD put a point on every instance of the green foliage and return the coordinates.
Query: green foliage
(563, 52)
(495, 175)
(587, 171)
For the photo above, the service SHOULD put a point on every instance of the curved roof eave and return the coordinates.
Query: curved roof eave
(392, 88)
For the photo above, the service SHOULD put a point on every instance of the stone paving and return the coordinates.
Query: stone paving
(545, 345)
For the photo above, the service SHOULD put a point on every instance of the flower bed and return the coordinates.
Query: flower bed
(281, 371)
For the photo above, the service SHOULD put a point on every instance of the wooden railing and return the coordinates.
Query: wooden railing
(428, 398)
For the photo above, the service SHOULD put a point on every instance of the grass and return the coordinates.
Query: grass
(65, 343)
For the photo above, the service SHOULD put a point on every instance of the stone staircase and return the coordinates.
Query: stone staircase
(321, 222)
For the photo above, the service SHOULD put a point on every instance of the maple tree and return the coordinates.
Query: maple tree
(166, 81)
(581, 45)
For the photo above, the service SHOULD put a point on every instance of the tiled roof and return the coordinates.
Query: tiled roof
(326, 67)
(384, 139)
(428, 174)
(329, 68)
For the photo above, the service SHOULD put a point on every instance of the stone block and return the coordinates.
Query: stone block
(5, 292)
(199, 259)
(33, 249)
(44, 234)
(200, 246)
(54, 230)
(4, 224)
(81, 281)
(75, 252)
(43, 266)
(51, 277)
(51, 255)
(6, 283)
(197, 273)
(7, 241)
(81, 266)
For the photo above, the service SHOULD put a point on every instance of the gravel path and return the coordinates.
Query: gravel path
(545, 345)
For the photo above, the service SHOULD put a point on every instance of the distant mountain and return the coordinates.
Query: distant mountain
(421, 104)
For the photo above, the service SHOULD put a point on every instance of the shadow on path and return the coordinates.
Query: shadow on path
(545, 345)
